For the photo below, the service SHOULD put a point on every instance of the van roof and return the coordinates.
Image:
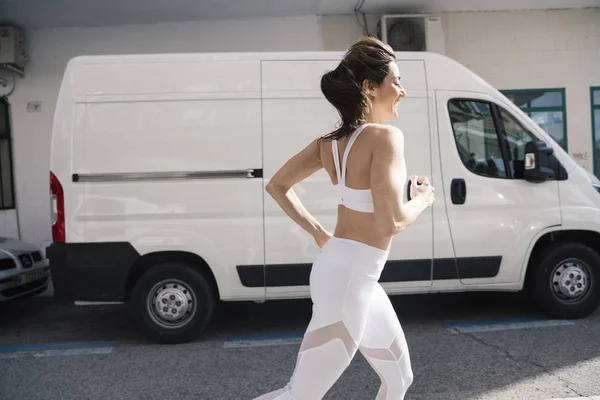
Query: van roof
(443, 73)
(245, 56)
(87, 75)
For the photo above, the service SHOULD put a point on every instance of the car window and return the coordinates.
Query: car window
(517, 137)
(476, 137)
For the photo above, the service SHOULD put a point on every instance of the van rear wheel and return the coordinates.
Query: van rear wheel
(564, 281)
(173, 303)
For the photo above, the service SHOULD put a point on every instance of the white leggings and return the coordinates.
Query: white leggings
(351, 312)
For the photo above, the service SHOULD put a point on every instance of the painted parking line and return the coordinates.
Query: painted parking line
(56, 349)
(503, 324)
(273, 339)
(291, 338)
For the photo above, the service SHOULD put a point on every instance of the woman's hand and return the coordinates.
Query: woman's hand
(322, 237)
(420, 186)
(413, 187)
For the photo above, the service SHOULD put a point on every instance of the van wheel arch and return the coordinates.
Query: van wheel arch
(549, 249)
(589, 238)
(150, 260)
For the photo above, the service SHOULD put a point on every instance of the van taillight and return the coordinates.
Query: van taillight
(57, 199)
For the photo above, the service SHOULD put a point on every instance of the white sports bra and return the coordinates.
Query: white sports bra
(354, 199)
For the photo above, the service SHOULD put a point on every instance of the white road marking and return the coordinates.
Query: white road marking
(261, 343)
(464, 328)
(577, 398)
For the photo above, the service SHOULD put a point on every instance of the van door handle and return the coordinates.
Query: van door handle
(458, 191)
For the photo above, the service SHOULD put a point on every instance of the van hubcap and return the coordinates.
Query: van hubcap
(570, 281)
(171, 303)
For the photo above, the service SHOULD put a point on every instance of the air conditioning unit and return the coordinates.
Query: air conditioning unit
(12, 49)
(413, 32)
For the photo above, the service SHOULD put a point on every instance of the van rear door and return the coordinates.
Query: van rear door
(171, 160)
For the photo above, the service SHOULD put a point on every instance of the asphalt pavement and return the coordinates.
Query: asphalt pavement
(463, 346)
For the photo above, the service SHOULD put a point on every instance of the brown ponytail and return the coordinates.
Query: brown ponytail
(368, 59)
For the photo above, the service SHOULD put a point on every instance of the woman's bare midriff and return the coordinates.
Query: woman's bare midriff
(361, 227)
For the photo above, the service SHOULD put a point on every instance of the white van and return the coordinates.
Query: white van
(159, 165)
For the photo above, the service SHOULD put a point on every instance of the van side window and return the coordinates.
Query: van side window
(477, 138)
(516, 136)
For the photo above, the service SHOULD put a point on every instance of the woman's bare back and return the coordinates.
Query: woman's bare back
(351, 224)
(375, 162)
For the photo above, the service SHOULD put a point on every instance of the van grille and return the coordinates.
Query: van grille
(7, 263)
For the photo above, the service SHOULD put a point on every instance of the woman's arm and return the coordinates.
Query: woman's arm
(296, 169)
(391, 214)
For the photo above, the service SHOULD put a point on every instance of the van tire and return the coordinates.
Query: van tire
(548, 281)
(176, 284)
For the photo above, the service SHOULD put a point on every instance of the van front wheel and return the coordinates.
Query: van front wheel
(173, 303)
(564, 282)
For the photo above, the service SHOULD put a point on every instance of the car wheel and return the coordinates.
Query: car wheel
(564, 281)
(173, 303)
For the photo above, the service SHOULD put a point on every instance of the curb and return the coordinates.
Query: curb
(580, 398)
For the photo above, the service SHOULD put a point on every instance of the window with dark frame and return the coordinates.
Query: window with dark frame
(476, 137)
(7, 193)
(546, 107)
(595, 103)
(516, 137)
(490, 141)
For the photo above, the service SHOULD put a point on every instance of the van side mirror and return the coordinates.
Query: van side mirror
(537, 161)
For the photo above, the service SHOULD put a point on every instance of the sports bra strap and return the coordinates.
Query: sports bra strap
(341, 171)
(336, 160)
(347, 151)
(354, 199)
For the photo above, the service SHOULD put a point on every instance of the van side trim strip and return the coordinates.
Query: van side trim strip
(277, 275)
(144, 176)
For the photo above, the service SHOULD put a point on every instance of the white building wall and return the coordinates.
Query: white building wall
(8, 223)
(51, 49)
(536, 49)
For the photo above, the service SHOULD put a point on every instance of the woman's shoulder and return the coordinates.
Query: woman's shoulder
(376, 133)
(384, 133)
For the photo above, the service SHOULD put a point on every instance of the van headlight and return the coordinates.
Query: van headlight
(596, 186)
